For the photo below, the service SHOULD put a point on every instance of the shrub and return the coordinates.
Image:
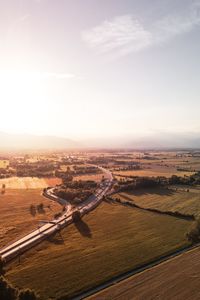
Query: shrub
(7, 291)
(40, 208)
(194, 233)
(32, 210)
(57, 215)
(2, 271)
(27, 295)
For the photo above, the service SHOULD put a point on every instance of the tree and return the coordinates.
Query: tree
(194, 233)
(2, 271)
(3, 188)
(27, 294)
(32, 210)
(7, 291)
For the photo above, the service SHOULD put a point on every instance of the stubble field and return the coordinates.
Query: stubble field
(16, 219)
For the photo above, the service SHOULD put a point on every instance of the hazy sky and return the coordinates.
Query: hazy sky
(94, 68)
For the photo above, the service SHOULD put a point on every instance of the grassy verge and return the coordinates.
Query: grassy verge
(111, 240)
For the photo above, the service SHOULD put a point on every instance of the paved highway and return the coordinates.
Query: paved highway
(23, 244)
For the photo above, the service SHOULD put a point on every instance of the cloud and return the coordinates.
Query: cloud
(123, 34)
(126, 34)
(173, 25)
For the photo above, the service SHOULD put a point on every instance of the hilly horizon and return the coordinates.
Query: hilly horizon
(155, 141)
(29, 141)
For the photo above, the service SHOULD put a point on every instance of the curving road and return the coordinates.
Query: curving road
(23, 244)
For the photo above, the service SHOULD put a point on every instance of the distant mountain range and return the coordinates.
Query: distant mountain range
(26, 141)
(168, 140)
(155, 141)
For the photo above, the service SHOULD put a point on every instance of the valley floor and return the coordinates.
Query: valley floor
(109, 241)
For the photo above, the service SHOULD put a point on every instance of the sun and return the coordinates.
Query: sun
(22, 100)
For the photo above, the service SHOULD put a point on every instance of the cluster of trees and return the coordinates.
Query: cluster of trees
(148, 182)
(129, 167)
(57, 215)
(72, 195)
(149, 157)
(9, 292)
(37, 169)
(76, 191)
(193, 234)
(65, 176)
(76, 170)
(70, 161)
(86, 169)
(186, 180)
(6, 173)
(100, 160)
(139, 182)
(81, 184)
(37, 208)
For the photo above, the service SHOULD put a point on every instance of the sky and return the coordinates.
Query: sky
(99, 68)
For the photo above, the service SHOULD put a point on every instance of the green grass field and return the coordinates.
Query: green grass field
(112, 239)
(165, 200)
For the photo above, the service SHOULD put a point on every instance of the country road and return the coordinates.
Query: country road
(28, 241)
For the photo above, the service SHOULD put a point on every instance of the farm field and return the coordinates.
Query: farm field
(71, 167)
(110, 240)
(4, 164)
(16, 219)
(94, 177)
(29, 182)
(165, 199)
(177, 278)
(172, 161)
(167, 172)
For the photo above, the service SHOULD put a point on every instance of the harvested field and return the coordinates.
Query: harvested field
(16, 219)
(177, 278)
(110, 240)
(29, 182)
(94, 177)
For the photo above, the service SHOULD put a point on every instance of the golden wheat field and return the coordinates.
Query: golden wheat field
(181, 199)
(110, 240)
(28, 182)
